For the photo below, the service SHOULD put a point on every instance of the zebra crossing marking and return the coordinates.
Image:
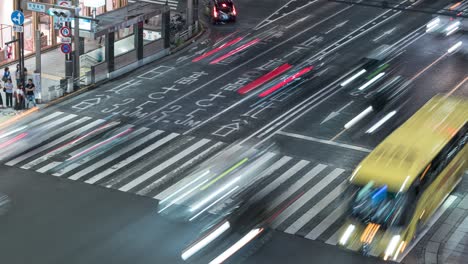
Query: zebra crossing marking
(311, 193)
(297, 185)
(114, 155)
(132, 158)
(163, 165)
(328, 221)
(62, 148)
(49, 145)
(318, 207)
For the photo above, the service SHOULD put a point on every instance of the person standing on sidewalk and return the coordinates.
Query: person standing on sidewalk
(30, 87)
(18, 75)
(19, 97)
(9, 93)
(6, 74)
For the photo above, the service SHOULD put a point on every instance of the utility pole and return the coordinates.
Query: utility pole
(76, 53)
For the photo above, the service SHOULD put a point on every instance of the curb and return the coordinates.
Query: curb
(192, 40)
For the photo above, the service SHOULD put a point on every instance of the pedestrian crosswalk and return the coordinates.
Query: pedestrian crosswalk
(154, 163)
(171, 3)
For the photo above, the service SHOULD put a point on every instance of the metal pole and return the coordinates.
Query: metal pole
(190, 17)
(77, 72)
(38, 51)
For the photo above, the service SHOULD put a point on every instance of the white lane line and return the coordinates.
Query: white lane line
(318, 207)
(280, 180)
(358, 118)
(448, 202)
(311, 193)
(183, 167)
(132, 158)
(49, 166)
(298, 21)
(267, 20)
(48, 145)
(248, 61)
(381, 122)
(328, 221)
(163, 165)
(70, 135)
(115, 155)
(88, 158)
(297, 185)
(324, 141)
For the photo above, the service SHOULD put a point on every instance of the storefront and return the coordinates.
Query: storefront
(36, 21)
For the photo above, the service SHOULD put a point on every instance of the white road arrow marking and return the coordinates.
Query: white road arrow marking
(337, 26)
(335, 113)
(298, 21)
(386, 33)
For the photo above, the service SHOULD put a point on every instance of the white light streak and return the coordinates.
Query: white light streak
(452, 31)
(347, 234)
(205, 241)
(13, 131)
(213, 195)
(404, 184)
(392, 246)
(381, 122)
(358, 117)
(373, 80)
(352, 78)
(185, 187)
(213, 203)
(183, 196)
(455, 47)
(238, 245)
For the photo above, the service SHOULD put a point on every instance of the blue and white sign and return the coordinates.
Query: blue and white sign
(36, 7)
(17, 17)
(66, 48)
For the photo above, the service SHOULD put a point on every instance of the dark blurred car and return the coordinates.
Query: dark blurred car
(221, 11)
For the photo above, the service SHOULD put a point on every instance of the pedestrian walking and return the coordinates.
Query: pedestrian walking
(6, 74)
(30, 87)
(19, 97)
(9, 93)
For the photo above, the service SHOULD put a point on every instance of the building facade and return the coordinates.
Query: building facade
(37, 21)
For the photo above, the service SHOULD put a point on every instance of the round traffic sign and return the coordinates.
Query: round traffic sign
(65, 31)
(66, 48)
(17, 17)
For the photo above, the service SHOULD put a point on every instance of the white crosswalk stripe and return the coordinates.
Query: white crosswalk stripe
(312, 212)
(328, 221)
(278, 181)
(311, 193)
(163, 165)
(115, 155)
(63, 148)
(297, 185)
(132, 158)
(51, 144)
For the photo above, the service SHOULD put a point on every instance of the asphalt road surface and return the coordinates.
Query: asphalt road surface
(145, 132)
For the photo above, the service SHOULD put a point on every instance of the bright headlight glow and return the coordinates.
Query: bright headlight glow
(455, 47)
(371, 81)
(238, 245)
(392, 246)
(347, 234)
(453, 26)
(352, 78)
(205, 241)
(435, 22)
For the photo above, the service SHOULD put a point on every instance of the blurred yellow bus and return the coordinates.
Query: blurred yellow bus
(397, 188)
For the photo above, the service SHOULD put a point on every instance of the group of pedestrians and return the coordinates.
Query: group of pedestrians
(23, 95)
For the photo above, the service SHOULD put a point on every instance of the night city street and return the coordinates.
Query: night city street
(234, 131)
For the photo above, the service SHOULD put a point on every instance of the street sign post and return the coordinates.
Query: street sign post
(18, 28)
(17, 17)
(66, 48)
(66, 40)
(36, 7)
